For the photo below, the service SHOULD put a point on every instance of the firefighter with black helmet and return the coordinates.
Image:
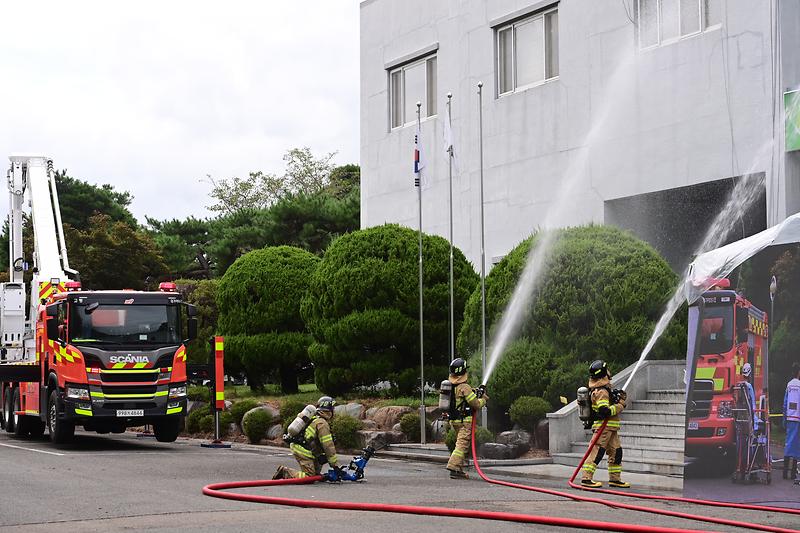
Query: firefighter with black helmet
(607, 404)
(315, 446)
(464, 402)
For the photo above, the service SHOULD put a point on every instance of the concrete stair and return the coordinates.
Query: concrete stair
(652, 436)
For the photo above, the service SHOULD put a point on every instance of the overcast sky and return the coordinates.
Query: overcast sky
(152, 96)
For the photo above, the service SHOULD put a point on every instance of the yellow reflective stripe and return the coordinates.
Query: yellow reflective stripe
(129, 371)
(458, 453)
(174, 410)
(467, 419)
(96, 394)
(333, 459)
(589, 467)
(705, 372)
(613, 410)
(471, 396)
(218, 346)
(140, 365)
(615, 469)
(299, 450)
(718, 383)
(326, 438)
(30, 412)
(601, 402)
(83, 412)
(220, 396)
(118, 365)
(301, 474)
(162, 393)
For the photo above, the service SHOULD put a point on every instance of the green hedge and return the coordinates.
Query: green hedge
(482, 436)
(362, 308)
(528, 410)
(289, 409)
(345, 429)
(238, 409)
(193, 420)
(255, 425)
(600, 297)
(259, 313)
(409, 425)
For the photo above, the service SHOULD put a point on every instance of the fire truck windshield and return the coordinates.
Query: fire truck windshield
(716, 333)
(124, 324)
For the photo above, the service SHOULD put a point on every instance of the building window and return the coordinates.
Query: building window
(413, 82)
(527, 52)
(663, 21)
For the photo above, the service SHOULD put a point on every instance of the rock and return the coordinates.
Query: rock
(368, 424)
(433, 412)
(495, 450)
(543, 434)
(356, 410)
(387, 417)
(194, 405)
(228, 404)
(518, 438)
(275, 432)
(371, 412)
(273, 413)
(396, 427)
(439, 429)
(379, 438)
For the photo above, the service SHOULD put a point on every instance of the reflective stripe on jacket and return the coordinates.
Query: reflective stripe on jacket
(601, 398)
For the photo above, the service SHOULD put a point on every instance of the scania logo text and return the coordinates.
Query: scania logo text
(129, 359)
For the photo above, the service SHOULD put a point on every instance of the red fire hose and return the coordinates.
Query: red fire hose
(746, 506)
(619, 505)
(217, 491)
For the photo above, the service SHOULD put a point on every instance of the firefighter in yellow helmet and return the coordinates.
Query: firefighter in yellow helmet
(608, 444)
(464, 402)
(315, 447)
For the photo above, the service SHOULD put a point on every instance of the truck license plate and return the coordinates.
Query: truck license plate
(693, 425)
(130, 412)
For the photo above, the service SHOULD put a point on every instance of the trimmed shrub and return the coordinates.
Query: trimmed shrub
(206, 423)
(255, 424)
(602, 292)
(193, 420)
(362, 308)
(409, 425)
(289, 409)
(528, 410)
(203, 296)
(345, 430)
(259, 310)
(238, 409)
(482, 436)
(197, 393)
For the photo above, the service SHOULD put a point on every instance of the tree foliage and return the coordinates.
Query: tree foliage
(113, 255)
(259, 312)
(80, 201)
(602, 293)
(363, 310)
(183, 245)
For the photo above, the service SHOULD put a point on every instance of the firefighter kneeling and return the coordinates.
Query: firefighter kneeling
(311, 441)
(606, 404)
(462, 402)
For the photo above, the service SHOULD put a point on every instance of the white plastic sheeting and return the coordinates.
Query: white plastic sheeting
(720, 263)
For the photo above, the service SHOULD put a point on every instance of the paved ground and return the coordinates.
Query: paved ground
(114, 483)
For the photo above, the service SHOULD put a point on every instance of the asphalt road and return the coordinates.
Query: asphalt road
(111, 483)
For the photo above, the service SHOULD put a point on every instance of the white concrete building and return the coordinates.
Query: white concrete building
(640, 113)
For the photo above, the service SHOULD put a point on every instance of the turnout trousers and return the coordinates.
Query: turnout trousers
(608, 444)
(463, 429)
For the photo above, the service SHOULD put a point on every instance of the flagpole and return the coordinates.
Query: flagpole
(421, 336)
(483, 245)
(450, 176)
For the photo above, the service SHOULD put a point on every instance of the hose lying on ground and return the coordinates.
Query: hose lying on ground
(620, 505)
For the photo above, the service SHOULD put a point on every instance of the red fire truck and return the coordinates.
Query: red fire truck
(730, 332)
(104, 360)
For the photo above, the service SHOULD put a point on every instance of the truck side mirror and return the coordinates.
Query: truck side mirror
(191, 329)
(742, 323)
(52, 326)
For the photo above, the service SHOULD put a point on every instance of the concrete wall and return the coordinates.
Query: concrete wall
(618, 121)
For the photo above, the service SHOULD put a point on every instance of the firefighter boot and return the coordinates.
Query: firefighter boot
(280, 473)
(458, 474)
(590, 483)
(618, 483)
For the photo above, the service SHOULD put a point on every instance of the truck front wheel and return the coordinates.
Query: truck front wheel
(167, 429)
(20, 421)
(61, 431)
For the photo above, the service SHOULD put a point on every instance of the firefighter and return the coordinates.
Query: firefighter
(747, 374)
(608, 443)
(464, 402)
(316, 447)
(791, 421)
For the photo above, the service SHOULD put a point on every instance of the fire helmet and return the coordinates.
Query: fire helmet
(598, 369)
(458, 367)
(326, 403)
(747, 370)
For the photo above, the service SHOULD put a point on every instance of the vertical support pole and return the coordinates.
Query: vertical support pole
(219, 382)
(483, 247)
(450, 181)
(421, 336)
